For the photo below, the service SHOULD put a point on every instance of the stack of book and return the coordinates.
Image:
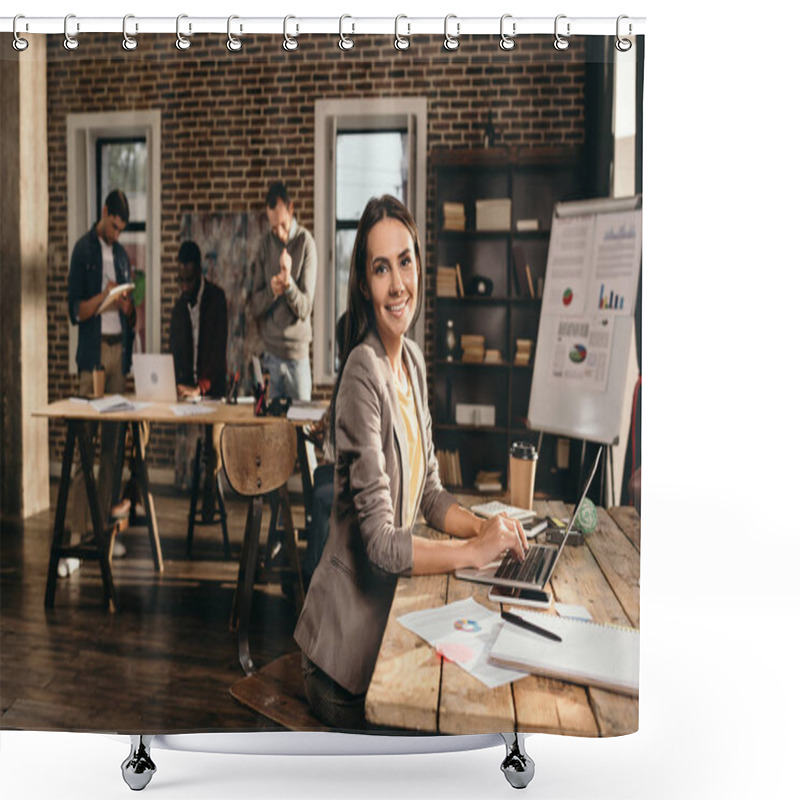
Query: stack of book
(522, 357)
(454, 217)
(473, 347)
(493, 357)
(486, 481)
(449, 467)
(493, 214)
(446, 283)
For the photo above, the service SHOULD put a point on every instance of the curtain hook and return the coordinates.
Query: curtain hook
(507, 42)
(622, 44)
(560, 43)
(19, 43)
(401, 42)
(128, 42)
(233, 44)
(345, 42)
(289, 44)
(182, 43)
(70, 42)
(451, 42)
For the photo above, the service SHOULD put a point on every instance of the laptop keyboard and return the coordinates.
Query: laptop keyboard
(531, 570)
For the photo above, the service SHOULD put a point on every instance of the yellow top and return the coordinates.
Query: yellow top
(408, 410)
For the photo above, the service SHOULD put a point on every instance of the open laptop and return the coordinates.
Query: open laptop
(154, 378)
(540, 561)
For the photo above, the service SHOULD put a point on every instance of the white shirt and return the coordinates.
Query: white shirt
(110, 324)
(194, 316)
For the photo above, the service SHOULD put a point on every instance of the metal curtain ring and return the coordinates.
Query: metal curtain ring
(19, 44)
(622, 44)
(233, 44)
(401, 42)
(70, 42)
(507, 42)
(128, 42)
(289, 44)
(182, 43)
(560, 43)
(345, 42)
(451, 42)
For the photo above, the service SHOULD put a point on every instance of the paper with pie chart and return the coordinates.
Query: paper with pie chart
(582, 351)
(567, 281)
(463, 632)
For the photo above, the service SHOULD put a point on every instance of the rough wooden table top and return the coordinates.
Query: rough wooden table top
(413, 688)
(218, 413)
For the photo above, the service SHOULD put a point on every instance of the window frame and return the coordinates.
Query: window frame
(409, 114)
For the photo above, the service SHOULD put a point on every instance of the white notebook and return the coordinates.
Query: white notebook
(597, 655)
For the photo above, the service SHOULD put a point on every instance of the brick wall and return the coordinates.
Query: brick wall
(233, 122)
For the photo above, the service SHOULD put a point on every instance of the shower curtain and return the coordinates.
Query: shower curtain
(480, 137)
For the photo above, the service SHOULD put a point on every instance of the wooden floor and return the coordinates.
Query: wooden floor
(163, 662)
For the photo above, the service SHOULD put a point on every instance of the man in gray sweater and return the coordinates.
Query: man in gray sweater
(284, 279)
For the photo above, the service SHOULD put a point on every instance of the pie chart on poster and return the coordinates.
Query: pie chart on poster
(466, 625)
(566, 298)
(578, 354)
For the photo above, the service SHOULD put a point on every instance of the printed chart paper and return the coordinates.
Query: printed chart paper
(582, 352)
(463, 632)
(617, 252)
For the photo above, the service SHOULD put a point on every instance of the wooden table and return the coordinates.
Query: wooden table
(412, 688)
(78, 415)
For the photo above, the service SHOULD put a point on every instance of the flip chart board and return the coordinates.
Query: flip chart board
(587, 319)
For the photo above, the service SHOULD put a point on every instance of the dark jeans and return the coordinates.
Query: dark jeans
(317, 534)
(332, 704)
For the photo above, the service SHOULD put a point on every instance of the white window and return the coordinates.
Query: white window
(363, 148)
(122, 150)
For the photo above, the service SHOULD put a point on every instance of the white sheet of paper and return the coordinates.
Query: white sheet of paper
(566, 285)
(582, 352)
(463, 632)
(573, 612)
(617, 254)
(191, 409)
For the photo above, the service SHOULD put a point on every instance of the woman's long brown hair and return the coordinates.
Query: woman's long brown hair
(360, 316)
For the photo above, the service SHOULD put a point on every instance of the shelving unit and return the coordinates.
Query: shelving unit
(535, 179)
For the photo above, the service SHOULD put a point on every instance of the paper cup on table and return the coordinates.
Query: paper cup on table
(98, 382)
(522, 460)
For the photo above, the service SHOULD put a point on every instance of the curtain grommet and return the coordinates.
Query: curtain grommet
(70, 42)
(451, 42)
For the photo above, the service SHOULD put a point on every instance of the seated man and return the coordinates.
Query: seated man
(198, 340)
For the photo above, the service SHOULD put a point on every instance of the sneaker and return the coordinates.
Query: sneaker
(66, 566)
(119, 550)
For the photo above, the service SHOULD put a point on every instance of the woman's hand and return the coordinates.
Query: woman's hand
(497, 535)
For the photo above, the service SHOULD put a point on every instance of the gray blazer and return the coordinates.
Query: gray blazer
(344, 616)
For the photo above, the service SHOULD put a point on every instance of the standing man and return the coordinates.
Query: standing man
(198, 333)
(285, 276)
(198, 340)
(98, 264)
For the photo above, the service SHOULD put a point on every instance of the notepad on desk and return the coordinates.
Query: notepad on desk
(606, 656)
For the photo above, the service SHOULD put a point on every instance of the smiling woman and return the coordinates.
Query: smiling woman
(386, 472)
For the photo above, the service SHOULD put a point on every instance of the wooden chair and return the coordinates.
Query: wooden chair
(258, 461)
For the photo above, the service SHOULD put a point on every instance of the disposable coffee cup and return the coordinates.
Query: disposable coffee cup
(99, 382)
(522, 458)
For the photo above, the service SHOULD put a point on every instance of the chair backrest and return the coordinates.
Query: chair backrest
(258, 458)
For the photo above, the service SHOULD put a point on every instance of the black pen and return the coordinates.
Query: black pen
(529, 626)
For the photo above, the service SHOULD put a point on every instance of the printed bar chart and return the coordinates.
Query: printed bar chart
(610, 300)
